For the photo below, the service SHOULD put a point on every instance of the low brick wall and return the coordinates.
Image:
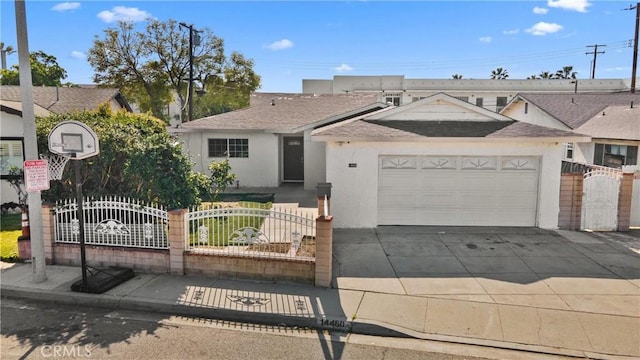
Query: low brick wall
(144, 260)
(178, 261)
(249, 268)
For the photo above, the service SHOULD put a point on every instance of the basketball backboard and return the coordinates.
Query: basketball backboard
(75, 139)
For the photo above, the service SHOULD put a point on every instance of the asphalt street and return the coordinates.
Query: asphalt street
(43, 330)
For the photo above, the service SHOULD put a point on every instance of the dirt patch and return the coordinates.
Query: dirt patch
(307, 247)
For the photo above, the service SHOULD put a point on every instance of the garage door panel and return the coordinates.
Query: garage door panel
(503, 193)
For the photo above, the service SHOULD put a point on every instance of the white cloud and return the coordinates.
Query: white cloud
(65, 6)
(343, 68)
(486, 39)
(280, 45)
(78, 54)
(542, 28)
(511, 32)
(575, 5)
(121, 13)
(540, 11)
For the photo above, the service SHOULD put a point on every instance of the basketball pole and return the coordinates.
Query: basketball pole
(30, 143)
(80, 215)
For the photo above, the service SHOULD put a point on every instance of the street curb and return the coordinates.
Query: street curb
(357, 326)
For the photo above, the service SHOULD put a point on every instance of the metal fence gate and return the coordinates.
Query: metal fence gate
(601, 188)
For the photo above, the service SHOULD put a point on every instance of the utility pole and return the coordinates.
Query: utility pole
(30, 142)
(635, 47)
(595, 56)
(192, 32)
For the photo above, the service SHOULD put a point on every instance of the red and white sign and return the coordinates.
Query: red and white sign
(36, 175)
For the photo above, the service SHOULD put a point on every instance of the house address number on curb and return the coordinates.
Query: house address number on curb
(335, 323)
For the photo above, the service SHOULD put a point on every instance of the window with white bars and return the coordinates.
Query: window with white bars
(11, 154)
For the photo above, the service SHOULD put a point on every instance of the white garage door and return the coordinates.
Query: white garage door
(458, 190)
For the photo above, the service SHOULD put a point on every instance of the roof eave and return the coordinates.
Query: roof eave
(554, 139)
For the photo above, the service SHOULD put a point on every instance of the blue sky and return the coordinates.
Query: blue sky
(294, 40)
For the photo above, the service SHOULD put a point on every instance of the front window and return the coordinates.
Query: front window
(233, 148)
(11, 154)
(480, 102)
(568, 151)
(615, 156)
(501, 102)
(392, 98)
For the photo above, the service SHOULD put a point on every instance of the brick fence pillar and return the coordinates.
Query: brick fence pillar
(178, 236)
(48, 233)
(324, 251)
(624, 202)
(571, 187)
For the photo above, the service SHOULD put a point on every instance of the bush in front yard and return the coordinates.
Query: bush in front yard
(138, 159)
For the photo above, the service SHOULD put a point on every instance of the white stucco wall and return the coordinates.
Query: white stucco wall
(314, 162)
(533, 116)
(260, 169)
(355, 190)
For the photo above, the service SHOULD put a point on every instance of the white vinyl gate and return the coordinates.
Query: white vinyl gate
(600, 200)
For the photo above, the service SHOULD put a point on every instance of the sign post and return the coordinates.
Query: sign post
(36, 175)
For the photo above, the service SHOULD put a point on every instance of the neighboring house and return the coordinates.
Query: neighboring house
(47, 100)
(490, 94)
(612, 120)
(443, 161)
(268, 143)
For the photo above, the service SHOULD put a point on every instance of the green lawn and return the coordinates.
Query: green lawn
(221, 228)
(10, 230)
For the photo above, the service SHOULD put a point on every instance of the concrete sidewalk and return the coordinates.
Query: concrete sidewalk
(576, 295)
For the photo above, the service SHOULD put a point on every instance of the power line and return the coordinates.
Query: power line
(443, 64)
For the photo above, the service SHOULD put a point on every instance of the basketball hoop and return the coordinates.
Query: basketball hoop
(56, 164)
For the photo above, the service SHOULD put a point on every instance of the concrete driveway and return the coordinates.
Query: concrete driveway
(561, 290)
(520, 266)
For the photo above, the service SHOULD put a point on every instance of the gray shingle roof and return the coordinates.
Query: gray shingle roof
(576, 109)
(61, 100)
(614, 122)
(282, 112)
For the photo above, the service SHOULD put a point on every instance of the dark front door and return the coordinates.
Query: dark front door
(293, 158)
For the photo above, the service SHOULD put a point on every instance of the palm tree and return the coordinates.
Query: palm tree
(456, 76)
(3, 54)
(545, 75)
(566, 73)
(499, 74)
(533, 77)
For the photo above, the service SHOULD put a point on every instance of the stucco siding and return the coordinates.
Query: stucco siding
(352, 168)
(314, 162)
(260, 169)
(11, 125)
(533, 116)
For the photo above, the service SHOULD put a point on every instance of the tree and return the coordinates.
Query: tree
(565, 73)
(532, 77)
(221, 176)
(228, 92)
(499, 74)
(152, 67)
(138, 159)
(546, 75)
(45, 71)
(456, 76)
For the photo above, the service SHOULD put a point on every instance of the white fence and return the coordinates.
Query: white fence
(635, 198)
(112, 222)
(252, 232)
(244, 229)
